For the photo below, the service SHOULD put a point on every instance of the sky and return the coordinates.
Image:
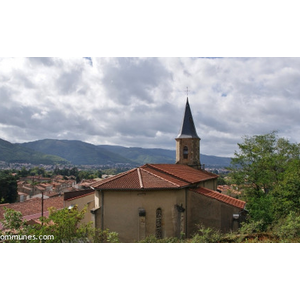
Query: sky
(139, 102)
(115, 98)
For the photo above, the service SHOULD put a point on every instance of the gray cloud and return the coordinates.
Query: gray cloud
(140, 101)
(132, 79)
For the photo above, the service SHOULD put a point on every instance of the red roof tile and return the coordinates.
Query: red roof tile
(182, 172)
(150, 179)
(155, 176)
(33, 206)
(221, 197)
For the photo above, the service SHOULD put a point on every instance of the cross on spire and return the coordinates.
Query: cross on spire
(187, 91)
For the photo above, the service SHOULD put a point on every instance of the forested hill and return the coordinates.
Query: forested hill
(15, 153)
(77, 152)
(54, 151)
(157, 155)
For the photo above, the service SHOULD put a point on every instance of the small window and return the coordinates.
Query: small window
(185, 152)
(158, 225)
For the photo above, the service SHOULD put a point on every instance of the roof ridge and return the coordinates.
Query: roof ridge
(163, 171)
(140, 178)
(161, 178)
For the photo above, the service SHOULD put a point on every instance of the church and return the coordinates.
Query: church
(163, 200)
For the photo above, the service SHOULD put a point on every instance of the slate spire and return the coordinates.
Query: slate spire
(188, 141)
(188, 129)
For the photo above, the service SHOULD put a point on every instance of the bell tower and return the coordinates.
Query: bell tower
(188, 142)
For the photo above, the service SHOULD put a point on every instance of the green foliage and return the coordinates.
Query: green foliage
(13, 220)
(14, 153)
(266, 169)
(261, 210)
(8, 187)
(79, 175)
(104, 236)
(287, 192)
(13, 226)
(23, 172)
(206, 235)
(153, 239)
(65, 226)
(62, 226)
(288, 228)
(252, 226)
(76, 152)
(261, 161)
(221, 180)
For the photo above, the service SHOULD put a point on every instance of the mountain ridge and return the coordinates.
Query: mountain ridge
(16, 153)
(81, 153)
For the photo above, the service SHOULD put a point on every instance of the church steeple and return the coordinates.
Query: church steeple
(188, 129)
(188, 141)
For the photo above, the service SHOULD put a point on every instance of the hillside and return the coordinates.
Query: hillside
(144, 155)
(77, 152)
(50, 151)
(16, 153)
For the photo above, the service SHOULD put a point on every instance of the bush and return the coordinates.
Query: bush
(153, 239)
(207, 235)
(252, 226)
(103, 236)
(288, 229)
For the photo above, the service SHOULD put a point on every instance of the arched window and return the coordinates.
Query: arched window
(185, 152)
(158, 228)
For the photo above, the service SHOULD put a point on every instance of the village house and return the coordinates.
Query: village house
(165, 200)
(32, 209)
(31, 186)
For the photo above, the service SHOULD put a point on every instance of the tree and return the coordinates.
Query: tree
(12, 220)
(8, 188)
(62, 226)
(287, 193)
(65, 226)
(259, 168)
(23, 172)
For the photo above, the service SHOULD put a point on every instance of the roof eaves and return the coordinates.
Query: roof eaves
(81, 196)
(209, 193)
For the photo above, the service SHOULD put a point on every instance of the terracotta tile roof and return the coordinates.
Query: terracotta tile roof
(151, 179)
(183, 172)
(221, 197)
(155, 176)
(33, 206)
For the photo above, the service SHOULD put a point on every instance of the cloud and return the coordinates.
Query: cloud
(140, 101)
(128, 80)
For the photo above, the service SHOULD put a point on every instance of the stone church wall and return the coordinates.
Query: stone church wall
(133, 214)
(209, 212)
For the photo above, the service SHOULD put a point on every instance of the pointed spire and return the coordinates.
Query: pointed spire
(188, 129)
